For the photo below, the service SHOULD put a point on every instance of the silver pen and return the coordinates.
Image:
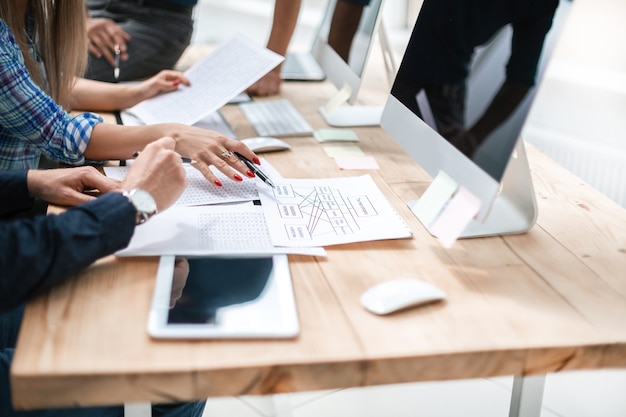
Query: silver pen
(116, 69)
(257, 171)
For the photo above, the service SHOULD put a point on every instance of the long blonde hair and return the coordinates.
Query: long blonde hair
(62, 42)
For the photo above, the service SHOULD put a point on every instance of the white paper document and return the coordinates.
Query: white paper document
(214, 121)
(200, 191)
(233, 229)
(233, 67)
(322, 212)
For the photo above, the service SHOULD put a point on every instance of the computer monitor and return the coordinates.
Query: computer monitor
(343, 53)
(427, 110)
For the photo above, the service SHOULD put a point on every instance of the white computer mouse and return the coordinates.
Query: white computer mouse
(265, 144)
(398, 294)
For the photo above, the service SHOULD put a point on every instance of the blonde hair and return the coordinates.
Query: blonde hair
(61, 38)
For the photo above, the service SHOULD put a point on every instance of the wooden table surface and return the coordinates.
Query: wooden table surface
(551, 300)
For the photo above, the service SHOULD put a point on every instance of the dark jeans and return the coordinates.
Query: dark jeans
(158, 39)
(9, 328)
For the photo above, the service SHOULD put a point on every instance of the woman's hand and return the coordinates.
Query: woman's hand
(164, 82)
(207, 147)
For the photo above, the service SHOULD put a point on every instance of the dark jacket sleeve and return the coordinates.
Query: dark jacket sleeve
(14, 194)
(38, 253)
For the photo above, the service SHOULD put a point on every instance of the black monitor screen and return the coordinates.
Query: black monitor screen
(469, 69)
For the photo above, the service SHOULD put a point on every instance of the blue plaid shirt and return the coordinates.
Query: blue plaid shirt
(31, 123)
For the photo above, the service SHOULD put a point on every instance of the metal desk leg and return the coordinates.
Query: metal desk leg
(138, 410)
(527, 396)
(282, 405)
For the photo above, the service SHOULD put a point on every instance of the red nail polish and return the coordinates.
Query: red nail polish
(238, 177)
(218, 183)
(176, 82)
(256, 160)
(250, 174)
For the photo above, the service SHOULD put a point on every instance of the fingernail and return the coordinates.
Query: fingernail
(176, 82)
(256, 160)
(250, 174)
(238, 177)
(218, 183)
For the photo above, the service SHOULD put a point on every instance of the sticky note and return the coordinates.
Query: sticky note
(338, 99)
(356, 162)
(455, 217)
(335, 151)
(436, 196)
(336, 135)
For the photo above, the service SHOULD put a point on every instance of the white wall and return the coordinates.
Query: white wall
(579, 114)
(217, 20)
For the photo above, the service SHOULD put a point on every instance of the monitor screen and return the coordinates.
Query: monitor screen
(464, 88)
(344, 41)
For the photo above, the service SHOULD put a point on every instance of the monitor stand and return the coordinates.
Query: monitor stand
(353, 116)
(514, 210)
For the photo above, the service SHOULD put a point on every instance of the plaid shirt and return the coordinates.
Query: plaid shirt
(31, 123)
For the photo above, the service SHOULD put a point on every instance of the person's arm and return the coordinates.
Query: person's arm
(14, 192)
(504, 103)
(283, 25)
(39, 253)
(204, 147)
(101, 96)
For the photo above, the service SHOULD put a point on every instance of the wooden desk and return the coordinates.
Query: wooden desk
(547, 301)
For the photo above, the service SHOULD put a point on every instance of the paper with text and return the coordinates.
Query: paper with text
(233, 67)
(200, 191)
(321, 212)
(230, 229)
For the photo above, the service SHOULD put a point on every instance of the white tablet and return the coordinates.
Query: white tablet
(223, 297)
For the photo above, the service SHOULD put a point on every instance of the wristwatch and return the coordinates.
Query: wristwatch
(143, 202)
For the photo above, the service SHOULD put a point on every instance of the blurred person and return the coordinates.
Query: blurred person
(40, 253)
(42, 53)
(153, 34)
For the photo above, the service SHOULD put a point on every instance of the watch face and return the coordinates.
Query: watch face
(144, 202)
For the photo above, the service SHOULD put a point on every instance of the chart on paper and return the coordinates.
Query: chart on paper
(329, 211)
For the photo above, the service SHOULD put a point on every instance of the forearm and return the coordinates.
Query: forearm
(283, 25)
(38, 253)
(109, 141)
(500, 109)
(14, 192)
(100, 96)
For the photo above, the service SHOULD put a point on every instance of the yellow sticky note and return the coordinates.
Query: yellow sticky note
(338, 99)
(336, 135)
(343, 150)
(436, 196)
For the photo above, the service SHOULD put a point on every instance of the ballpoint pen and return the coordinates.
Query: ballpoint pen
(116, 69)
(257, 171)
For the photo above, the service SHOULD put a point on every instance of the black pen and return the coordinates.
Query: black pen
(257, 171)
(185, 159)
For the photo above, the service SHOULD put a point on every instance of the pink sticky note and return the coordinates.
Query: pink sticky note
(455, 217)
(356, 162)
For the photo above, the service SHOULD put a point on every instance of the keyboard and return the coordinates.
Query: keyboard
(275, 118)
(301, 66)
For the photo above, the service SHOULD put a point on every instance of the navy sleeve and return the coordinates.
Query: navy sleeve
(38, 253)
(14, 194)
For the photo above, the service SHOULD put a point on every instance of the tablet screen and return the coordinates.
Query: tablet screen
(217, 297)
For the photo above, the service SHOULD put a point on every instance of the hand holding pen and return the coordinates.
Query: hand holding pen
(257, 171)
